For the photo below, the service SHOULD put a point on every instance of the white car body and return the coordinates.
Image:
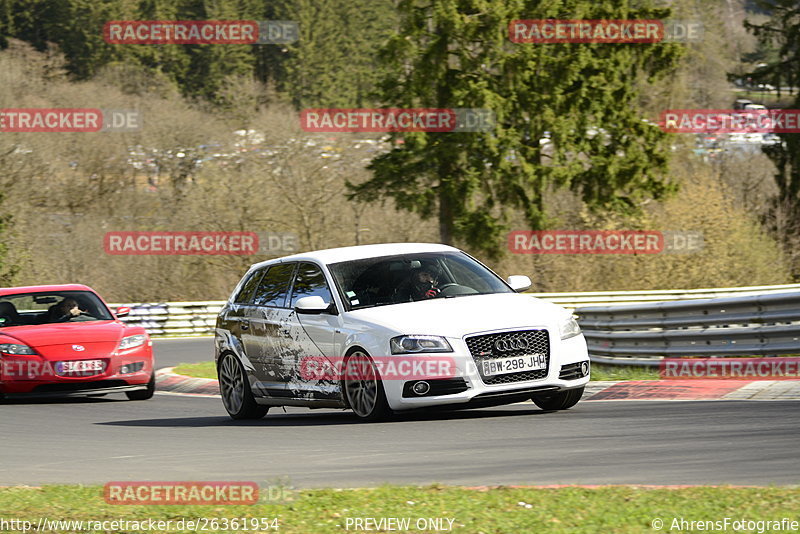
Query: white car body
(295, 336)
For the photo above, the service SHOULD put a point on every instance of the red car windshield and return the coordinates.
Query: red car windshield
(52, 307)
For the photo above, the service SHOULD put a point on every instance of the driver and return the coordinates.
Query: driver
(421, 283)
(64, 311)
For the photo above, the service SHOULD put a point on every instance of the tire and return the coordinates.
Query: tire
(363, 388)
(142, 394)
(560, 400)
(234, 387)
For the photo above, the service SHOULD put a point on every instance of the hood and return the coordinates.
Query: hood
(456, 317)
(47, 335)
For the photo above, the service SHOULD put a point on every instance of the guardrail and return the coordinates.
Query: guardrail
(766, 324)
(174, 318)
(613, 298)
(198, 318)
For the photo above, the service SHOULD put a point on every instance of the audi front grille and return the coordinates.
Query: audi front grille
(516, 343)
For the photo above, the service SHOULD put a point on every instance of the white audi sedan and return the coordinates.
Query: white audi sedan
(392, 327)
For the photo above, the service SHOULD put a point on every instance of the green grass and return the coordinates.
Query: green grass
(623, 372)
(498, 510)
(599, 371)
(199, 370)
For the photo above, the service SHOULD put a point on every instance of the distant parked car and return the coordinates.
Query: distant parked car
(363, 327)
(62, 340)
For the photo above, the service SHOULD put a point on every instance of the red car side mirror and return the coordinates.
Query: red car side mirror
(123, 311)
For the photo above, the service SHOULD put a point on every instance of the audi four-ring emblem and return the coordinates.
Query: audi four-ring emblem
(505, 345)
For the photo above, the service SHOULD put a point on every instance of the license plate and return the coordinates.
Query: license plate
(514, 364)
(79, 366)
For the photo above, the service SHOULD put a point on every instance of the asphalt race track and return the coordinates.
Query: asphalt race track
(171, 352)
(174, 437)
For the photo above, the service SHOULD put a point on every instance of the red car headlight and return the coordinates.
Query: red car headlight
(132, 341)
(16, 348)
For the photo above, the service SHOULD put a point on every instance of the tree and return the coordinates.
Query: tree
(782, 34)
(334, 61)
(566, 116)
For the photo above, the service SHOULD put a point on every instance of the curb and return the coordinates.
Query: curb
(661, 390)
(169, 382)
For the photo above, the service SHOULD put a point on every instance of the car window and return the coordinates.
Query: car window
(245, 294)
(391, 279)
(51, 306)
(310, 282)
(274, 286)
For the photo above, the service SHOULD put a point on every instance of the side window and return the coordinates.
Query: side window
(245, 294)
(273, 289)
(310, 282)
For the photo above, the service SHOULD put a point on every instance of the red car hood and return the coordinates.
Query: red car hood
(39, 336)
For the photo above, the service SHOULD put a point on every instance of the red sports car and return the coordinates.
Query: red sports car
(62, 340)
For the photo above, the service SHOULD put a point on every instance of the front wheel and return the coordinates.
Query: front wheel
(141, 394)
(234, 387)
(560, 400)
(363, 388)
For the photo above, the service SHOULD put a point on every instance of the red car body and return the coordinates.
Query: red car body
(71, 358)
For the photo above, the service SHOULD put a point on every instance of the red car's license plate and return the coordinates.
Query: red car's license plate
(79, 366)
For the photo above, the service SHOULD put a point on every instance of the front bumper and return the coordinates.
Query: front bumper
(475, 392)
(38, 376)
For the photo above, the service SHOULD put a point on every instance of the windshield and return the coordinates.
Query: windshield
(51, 307)
(411, 277)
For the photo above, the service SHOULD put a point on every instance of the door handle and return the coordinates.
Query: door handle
(245, 325)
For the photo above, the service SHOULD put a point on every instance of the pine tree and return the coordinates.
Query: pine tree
(566, 116)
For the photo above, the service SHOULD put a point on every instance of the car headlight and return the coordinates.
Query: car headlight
(412, 344)
(569, 328)
(16, 348)
(132, 341)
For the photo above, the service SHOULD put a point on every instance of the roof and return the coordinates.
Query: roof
(44, 289)
(336, 255)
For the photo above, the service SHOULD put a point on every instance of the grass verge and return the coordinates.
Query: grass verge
(496, 510)
(599, 371)
(623, 372)
(198, 370)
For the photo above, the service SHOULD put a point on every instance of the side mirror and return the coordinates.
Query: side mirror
(311, 305)
(123, 311)
(519, 282)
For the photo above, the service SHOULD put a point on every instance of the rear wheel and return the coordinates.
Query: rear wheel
(142, 394)
(234, 387)
(560, 400)
(363, 388)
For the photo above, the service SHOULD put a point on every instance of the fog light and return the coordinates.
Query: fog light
(584, 368)
(129, 368)
(421, 387)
